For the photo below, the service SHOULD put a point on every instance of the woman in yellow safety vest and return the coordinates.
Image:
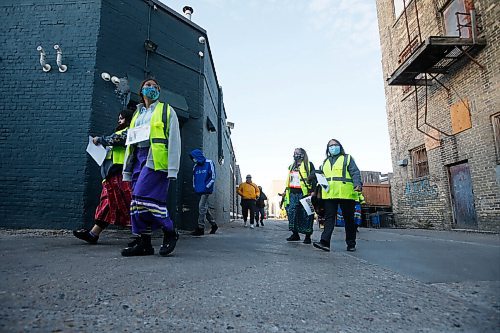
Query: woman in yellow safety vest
(344, 183)
(298, 187)
(114, 203)
(152, 159)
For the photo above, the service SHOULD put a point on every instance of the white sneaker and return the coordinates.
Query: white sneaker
(252, 226)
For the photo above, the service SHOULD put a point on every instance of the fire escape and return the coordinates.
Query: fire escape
(424, 62)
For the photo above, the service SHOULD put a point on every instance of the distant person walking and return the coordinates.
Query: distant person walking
(114, 203)
(203, 185)
(297, 187)
(344, 181)
(151, 164)
(260, 208)
(249, 193)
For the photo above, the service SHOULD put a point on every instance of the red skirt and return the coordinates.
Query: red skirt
(114, 206)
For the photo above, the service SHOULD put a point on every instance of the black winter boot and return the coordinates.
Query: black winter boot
(214, 228)
(84, 234)
(142, 248)
(307, 240)
(135, 240)
(198, 232)
(294, 237)
(169, 241)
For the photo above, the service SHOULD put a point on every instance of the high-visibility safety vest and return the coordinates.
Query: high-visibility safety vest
(339, 179)
(117, 153)
(304, 186)
(158, 135)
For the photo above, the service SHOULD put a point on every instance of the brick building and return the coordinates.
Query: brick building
(46, 178)
(440, 62)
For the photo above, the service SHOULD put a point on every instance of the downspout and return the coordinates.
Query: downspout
(220, 108)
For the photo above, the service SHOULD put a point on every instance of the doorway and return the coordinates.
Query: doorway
(462, 196)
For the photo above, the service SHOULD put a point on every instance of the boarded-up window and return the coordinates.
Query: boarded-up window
(495, 119)
(419, 162)
(454, 24)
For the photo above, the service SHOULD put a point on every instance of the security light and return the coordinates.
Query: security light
(150, 46)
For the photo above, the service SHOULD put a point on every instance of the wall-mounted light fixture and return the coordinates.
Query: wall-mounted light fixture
(230, 124)
(122, 88)
(210, 126)
(150, 46)
(200, 54)
(188, 11)
(105, 76)
(201, 40)
(62, 68)
(45, 67)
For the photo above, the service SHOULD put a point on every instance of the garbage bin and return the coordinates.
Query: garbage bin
(375, 220)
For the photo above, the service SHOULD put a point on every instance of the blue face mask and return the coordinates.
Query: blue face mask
(151, 92)
(334, 150)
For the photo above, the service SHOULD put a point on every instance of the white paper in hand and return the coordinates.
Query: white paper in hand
(138, 134)
(98, 152)
(322, 181)
(307, 204)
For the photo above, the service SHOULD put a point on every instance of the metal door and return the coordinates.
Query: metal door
(462, 198)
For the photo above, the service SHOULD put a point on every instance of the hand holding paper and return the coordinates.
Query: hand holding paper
(307, 204)
(98, 152)
(322, 181)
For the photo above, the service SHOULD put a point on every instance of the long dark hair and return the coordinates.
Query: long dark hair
(305, 160)
(142, 85)
(127, 114)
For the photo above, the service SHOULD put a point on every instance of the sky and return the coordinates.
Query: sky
(297, 73)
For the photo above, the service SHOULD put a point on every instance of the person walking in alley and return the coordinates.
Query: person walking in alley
(297, 187)
(344, 181)
(203, 185)
(260, 204)
(114, 203)
(152, 159)
(249, 193)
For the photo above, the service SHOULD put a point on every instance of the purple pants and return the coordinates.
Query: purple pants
(148, 209)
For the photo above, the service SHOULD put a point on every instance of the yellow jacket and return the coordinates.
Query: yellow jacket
(248, 191)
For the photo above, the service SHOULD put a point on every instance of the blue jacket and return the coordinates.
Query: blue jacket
(203, 173)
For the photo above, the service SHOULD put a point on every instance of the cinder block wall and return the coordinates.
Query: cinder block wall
(426, 202)
(45, 116)
(46, 178)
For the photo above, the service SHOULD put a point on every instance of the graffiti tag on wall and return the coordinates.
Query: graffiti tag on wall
(417, 192)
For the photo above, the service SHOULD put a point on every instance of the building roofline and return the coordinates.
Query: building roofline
(185, 20)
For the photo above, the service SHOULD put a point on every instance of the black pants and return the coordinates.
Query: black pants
(259, 211)
(347, 206)
(248, 205)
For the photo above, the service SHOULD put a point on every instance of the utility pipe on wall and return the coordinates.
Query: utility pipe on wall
(62, 68)
(45, 67)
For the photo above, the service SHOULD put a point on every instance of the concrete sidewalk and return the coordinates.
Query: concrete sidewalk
(239, 280)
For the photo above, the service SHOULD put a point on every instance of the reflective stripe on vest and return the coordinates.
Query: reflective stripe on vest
(303, 185)
(339, 179)
(158, 135)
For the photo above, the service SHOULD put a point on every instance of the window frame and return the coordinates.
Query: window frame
(419, 161)
(464, 7)
(495, 123)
